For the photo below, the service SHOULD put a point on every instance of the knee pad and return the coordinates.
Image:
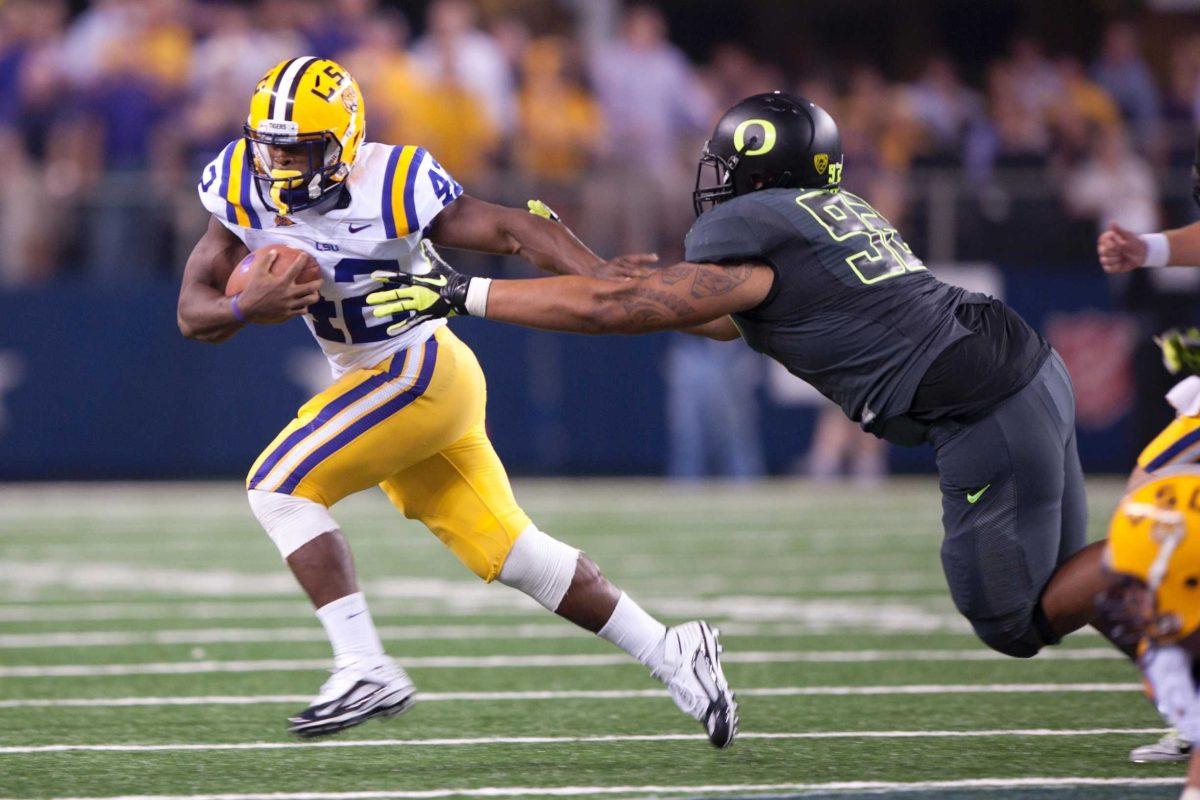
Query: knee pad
(290, 521)
(540, 566)
(1020, 636)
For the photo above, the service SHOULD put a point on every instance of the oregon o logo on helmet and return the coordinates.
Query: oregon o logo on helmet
(768, 142)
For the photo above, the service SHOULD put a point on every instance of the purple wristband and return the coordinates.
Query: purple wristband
(237, 312)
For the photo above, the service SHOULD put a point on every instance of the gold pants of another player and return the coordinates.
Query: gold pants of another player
(413, 425)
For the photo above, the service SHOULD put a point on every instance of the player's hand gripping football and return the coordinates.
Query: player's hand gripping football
(1120, 250)
(413, 299)
(275, 294)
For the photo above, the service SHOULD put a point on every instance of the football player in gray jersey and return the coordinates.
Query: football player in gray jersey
(817, 279)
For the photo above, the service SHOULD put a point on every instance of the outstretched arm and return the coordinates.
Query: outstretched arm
(684, 295)
(472, 224)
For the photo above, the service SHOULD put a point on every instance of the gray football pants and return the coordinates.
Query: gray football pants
(1013, 509)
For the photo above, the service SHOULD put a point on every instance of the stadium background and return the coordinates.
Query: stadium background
(998, 136)
(151, 643)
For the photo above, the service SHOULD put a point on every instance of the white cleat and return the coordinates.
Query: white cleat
(692, 670)
(1171, 747)
(372, 687)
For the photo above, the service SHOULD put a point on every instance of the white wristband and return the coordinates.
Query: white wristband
(477, 296)
(1190, 793)
(1158, 249)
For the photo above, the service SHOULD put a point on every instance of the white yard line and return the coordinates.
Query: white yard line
(815, 613)
(74, 639)
(157, 609)
(609, 739)
(916, 621)
(583, 694)
(967, 784)
(597, 660)
(23, 579)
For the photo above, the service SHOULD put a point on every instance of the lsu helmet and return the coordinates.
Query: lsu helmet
(311, 105)
(1154, 543)
(769, 141)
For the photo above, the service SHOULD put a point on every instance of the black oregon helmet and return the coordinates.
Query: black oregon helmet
(770, 141)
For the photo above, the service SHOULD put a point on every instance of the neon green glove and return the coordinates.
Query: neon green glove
(442, 292)
(1181, 350)
(540, 209)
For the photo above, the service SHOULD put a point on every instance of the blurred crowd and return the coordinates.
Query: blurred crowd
(108, 113)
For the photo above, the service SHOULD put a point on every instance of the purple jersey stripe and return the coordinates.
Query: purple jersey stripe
(324, 415)
(226, 158)
(366, 422)
(389, 172)
(247, 179)
(410, 184)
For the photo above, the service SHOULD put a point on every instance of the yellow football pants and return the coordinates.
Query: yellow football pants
(413, 425)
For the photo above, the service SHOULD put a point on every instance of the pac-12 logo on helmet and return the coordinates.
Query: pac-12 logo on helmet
(770, 141)
(305, 126)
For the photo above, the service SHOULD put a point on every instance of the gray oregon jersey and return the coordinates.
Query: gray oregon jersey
(852, 311)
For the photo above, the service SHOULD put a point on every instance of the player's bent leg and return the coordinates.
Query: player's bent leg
(366, 683)
(463, 495)
(1009, 509)
(686, 657)
(344, 440)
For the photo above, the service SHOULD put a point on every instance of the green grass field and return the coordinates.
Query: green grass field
(151, 644)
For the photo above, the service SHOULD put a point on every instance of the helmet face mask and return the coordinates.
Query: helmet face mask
(1130, 609)
(295, 184)
(716, 193)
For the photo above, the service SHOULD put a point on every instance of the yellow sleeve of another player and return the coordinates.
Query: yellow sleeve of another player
(1179, 443)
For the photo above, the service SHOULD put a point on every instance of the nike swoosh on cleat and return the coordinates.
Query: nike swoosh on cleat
(974, 498)
(357, 228)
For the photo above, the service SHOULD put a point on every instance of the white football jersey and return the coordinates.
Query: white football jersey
(395, 193)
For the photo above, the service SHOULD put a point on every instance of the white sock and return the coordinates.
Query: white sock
(350, 629)
(637, 633)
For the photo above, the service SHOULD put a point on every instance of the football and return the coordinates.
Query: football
(285, 260)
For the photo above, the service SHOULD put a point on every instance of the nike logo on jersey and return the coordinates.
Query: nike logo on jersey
(974, 498)
(357, 228)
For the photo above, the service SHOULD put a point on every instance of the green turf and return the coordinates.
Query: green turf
(783, 567)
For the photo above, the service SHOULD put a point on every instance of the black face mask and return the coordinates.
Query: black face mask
(705, 197)
(304, 185)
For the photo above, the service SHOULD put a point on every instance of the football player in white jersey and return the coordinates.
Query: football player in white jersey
(406, 411)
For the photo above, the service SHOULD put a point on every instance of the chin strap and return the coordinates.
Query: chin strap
(282, 180)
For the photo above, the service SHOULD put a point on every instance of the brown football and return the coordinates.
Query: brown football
(287, 256)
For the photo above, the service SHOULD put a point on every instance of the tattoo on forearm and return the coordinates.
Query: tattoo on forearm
(714, 280)
(665, 296)
(675, 273)
(651, 305)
